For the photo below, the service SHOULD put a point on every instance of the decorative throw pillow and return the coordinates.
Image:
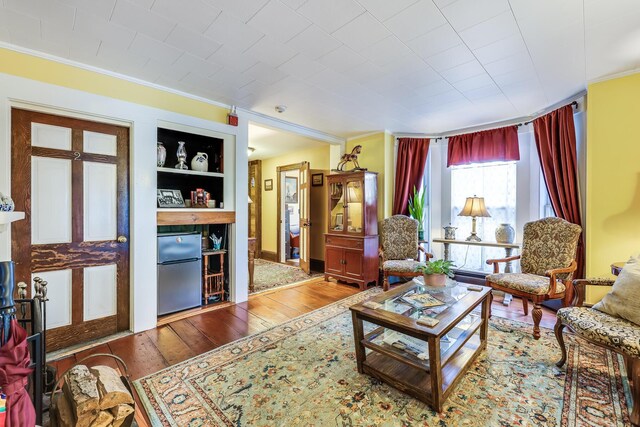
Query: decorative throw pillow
(624, 298)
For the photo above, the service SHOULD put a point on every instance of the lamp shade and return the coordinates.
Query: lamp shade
(474, 206)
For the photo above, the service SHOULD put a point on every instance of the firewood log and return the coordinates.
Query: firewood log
(121, 412)
(65, 413)
(103, 419)
(110, 387)
(81, 389)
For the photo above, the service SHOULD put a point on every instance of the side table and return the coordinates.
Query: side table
(508, 249)
(213, 281)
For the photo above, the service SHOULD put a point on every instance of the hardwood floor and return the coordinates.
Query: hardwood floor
(150, 351)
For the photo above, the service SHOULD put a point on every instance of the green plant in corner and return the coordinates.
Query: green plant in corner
(416, 209)
(437, 267)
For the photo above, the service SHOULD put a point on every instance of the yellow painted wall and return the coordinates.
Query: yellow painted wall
(318, 159)
(378, 156)
(31, 67)
(613, 176)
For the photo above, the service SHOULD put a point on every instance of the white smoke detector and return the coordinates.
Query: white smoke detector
(281, 108)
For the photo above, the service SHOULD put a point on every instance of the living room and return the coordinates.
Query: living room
(513, 120)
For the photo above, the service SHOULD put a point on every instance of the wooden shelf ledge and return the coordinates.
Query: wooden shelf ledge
(195, 216)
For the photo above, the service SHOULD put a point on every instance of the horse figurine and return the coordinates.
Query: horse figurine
(351, 157)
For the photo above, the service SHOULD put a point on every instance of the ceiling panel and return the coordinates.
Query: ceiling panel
(347, 66)
(450, 58)
(463, 14)
(271, 51)
(362, 32)
(195, 14)
(279, 21)
(331, 14)
(314, 42)
(192, 42)
(229, 30)
(385, 9)
(436, 41)
(140, 19)
(416, 20)
(91, 25)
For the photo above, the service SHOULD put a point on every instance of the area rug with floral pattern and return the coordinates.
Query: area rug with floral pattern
(303, 373)
(268, 275)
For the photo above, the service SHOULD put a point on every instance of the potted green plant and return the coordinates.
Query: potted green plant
(416, 209)
(435, 273)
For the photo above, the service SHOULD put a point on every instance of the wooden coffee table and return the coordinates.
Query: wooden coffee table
(424, 362)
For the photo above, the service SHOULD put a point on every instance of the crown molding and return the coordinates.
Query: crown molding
(252, 115)
(614, 76)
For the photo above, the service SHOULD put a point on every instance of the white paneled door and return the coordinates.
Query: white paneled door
(71, 176)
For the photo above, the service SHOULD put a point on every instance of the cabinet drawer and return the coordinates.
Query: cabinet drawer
(345, 242)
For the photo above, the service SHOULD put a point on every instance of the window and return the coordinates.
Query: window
(512, 192)
(496, 182)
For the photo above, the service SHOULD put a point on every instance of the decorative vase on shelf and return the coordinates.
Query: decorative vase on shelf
(450, 232)
(162, 154)
(200, 162)
(182, 156)
(6, 203)
(505, 234)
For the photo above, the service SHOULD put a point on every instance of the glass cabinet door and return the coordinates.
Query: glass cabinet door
(337, 205)
(354, 201)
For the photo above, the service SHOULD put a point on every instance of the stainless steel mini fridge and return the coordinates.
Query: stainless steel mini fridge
(179, 271)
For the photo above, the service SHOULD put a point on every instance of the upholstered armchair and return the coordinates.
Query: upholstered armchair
(399, 248)
(597, 327)
(547, 264)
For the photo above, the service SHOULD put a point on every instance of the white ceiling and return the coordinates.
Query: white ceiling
(347, 67)
(269, 142)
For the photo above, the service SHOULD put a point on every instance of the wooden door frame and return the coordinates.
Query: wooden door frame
(257, 201)
(21, 119)
(279, 170)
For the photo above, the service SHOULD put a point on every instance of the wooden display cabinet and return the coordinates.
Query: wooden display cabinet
(351, 241)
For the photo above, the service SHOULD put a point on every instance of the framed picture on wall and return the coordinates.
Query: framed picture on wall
(290, 189)
(317, 179)
(268, 184)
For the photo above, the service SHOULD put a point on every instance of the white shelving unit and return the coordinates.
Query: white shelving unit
(7, 218)
(190, 172)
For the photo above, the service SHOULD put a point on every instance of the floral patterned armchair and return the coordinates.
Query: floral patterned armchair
(616, 334)
(399, 248)
(547, 263)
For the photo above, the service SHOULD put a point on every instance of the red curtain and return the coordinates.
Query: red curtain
(486, 146)
(556, 143)
(412, 156)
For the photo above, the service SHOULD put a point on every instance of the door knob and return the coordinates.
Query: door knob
(122, 239)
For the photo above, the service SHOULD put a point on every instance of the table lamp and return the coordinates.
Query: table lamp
(474, 207)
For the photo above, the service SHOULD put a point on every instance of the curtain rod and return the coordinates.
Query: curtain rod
(573, 100)
(574, 104)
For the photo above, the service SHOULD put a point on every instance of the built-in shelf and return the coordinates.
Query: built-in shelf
(187, 216)
(190, 172)
(7, 218)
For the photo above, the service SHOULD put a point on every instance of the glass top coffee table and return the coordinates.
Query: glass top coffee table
(402, 350)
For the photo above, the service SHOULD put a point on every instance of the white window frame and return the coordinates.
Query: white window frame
(528, 182)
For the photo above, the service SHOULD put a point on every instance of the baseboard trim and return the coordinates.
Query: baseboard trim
(269, 256)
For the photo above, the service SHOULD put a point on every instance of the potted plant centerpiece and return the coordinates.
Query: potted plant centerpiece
(435, 273)
(416, 209)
